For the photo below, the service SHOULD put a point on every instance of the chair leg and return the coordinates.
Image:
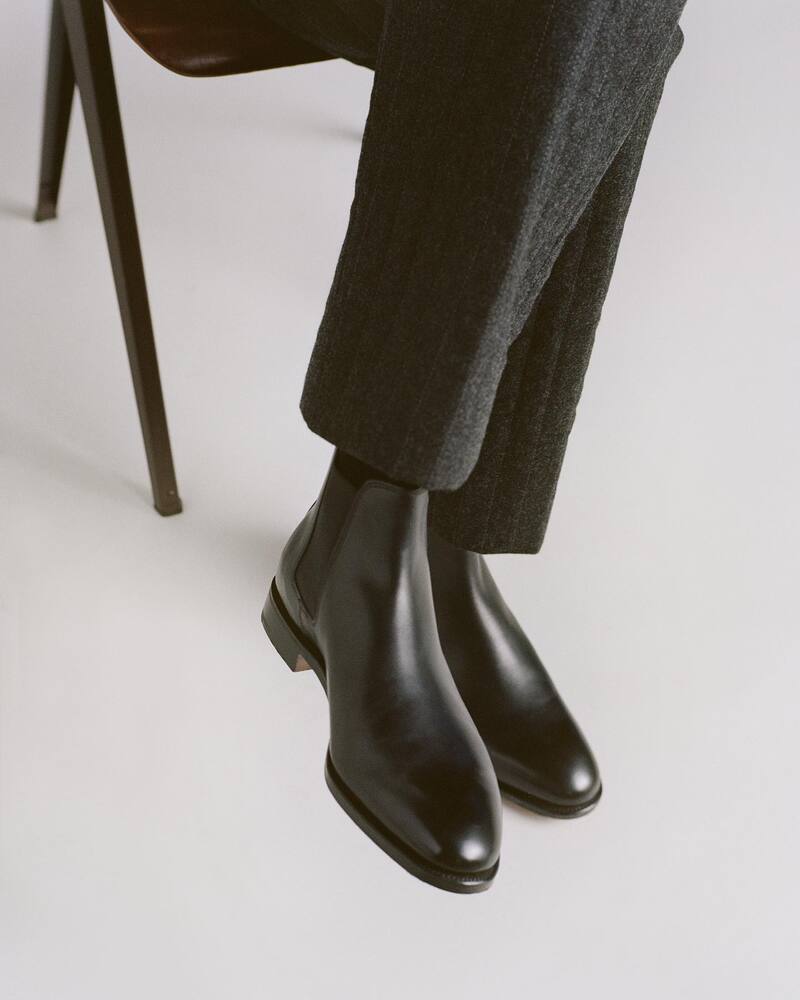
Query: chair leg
(57, 106)
(91, 59)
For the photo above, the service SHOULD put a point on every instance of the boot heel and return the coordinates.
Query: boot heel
(282, 633)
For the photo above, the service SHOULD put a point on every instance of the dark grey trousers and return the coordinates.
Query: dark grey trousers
(499, 159)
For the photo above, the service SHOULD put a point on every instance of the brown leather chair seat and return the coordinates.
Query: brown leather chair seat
(210, 37)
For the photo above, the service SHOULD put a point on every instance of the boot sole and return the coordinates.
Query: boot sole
(299, 654)
(545, 808)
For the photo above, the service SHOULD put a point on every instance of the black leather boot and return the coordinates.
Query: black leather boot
(540, 757)
(352, 600)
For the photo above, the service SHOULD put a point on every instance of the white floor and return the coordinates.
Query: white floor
(165, 828)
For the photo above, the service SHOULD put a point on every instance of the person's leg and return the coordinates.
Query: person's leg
(540, 756)
(505, 504)
(352, 600)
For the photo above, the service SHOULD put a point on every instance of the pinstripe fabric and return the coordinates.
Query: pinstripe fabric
(499, 159)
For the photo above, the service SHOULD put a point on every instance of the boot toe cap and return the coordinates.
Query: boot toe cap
(560, 776)
(467, 850)
(460, 829)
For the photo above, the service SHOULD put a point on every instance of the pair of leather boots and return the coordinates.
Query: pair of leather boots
(438, 702)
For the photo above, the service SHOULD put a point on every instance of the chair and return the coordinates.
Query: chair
(199, 38)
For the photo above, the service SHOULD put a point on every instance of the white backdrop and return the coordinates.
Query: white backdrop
(165, 831)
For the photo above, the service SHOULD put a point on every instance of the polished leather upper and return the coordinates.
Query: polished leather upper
(535, 744)
(401, 737)
(211, 37)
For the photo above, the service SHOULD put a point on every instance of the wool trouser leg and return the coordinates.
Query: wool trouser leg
(494, 156)
(505, 504)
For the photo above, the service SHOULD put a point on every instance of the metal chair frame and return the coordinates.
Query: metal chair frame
(79, 56)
